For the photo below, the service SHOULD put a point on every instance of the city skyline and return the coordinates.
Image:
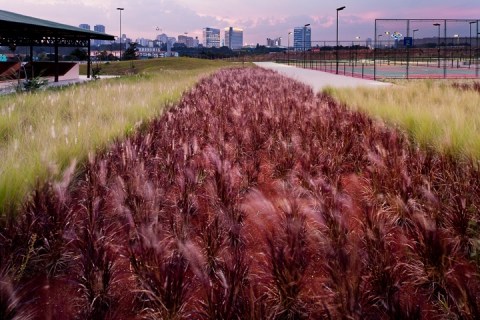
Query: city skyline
(259, 21)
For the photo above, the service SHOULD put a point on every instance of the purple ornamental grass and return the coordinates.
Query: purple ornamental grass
(254, 198)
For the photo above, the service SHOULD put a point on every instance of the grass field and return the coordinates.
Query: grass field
(433, 112)
(43, 133)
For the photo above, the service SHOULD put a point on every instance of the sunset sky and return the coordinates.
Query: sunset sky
(260, 19)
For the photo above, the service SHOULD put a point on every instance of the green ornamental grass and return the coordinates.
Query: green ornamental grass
(434, 113)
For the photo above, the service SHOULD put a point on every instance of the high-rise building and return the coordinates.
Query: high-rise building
(211, 37)
(187, 41)
(99, 28)
(234, 38)
(84, 26)
(302, 38)
(162, 38)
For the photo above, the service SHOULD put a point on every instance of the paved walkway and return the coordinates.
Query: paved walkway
(319, 79)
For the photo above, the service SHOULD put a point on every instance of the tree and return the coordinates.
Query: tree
(131, 52)
(81, 55)
(103, 55)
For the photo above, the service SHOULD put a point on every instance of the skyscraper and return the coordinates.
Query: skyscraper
(98, 28)
(211, 37)
(302, 38)
(84, 26)
(234, 38)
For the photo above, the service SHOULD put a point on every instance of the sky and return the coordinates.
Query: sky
(259, 19)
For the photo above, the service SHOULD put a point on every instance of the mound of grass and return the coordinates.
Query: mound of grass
(433, 112)
(154, 65)
(42, 133)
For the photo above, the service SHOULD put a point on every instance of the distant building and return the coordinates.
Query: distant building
(274, 42)
(143, 42)
(302, 38)
(369, 42)
(163, 38)
(98, 28)
(84, 26)
(187, 41)
(211, 37)
(234, 38)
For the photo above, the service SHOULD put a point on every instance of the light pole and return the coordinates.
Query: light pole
(336, 51)
(470, 43)
(413, 45)
(304, 51)
(356, 50)
(288, 48)
(413, 38)
(438, 49)
(378, 40)
(120, 39)
(388, 38)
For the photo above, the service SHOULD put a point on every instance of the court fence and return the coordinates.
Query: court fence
(402, 48)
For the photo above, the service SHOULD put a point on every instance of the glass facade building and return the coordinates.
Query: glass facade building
(234, 38)
(302, 38)
(211, 37)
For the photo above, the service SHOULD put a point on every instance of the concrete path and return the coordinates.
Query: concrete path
(319, 79)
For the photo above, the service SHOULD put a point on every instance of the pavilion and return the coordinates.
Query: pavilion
(20, 30)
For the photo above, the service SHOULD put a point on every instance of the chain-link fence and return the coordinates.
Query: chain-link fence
(401, 48)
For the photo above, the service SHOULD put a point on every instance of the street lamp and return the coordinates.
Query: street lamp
(470, 54)
(378, 40)
(288, 48)
(120, 39)
(304, 51)
(413, 37)
(388, 38)
(336, 52)
(438, 49)
(458, 38)
(356, 50)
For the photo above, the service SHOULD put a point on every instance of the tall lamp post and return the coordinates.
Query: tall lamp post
(304, 51)
(438, 45)
(288, 48)
(413, 38)
(470, 54)
(336, 52)
(378, 40)
(388, 38)
(356, 50)
(413, 44)
(120, 39)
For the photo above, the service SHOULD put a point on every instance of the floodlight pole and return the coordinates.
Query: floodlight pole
(413, 38)
(470, 59)
(120, 39)
(304, 51)
(438, 49)
(336, 51)
(356, 51)
(288, 48)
